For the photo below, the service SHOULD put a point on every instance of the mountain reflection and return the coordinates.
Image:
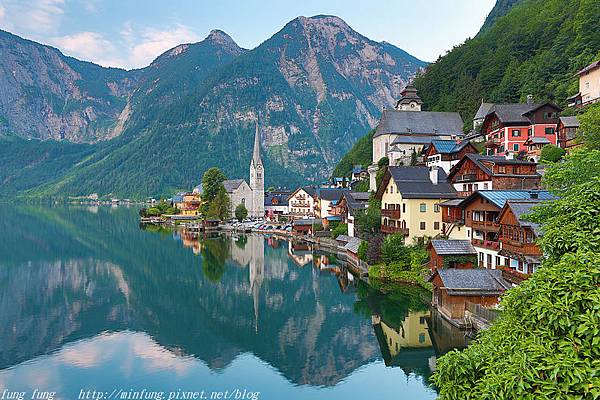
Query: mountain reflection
(70, 274)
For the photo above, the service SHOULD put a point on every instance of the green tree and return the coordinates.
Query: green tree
(413, 158)
(212, 184)
(579, 166)
(590, 127)
(545, 343)
(339, 229)
(241, 212)
(368, 221)
(220, 206)
(552, 153)
(393, 250)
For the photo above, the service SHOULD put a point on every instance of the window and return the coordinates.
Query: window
(403, 207)
(421, 338)
(423, 207)
(436, 225)
(489, 261)
(391, 188)
(497, 261)
(549, 131)
(501, 169)
(422, 226)
(485, 186)
(501, 149)
(501, 134)
(436, 208)
(244, 201)
(516, 147)
(516, 133)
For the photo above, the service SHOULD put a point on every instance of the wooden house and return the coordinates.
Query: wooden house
(451, 254)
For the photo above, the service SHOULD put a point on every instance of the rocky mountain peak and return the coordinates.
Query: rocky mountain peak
(222, 39)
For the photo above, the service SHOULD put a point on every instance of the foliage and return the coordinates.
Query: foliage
(552, 153)
(162, 207)
(317, 227)
(374, 248)
(590, 126)
(362, 186)
(363, 247)
(360, 154)
(545, 343)
(383, 162)
(368, 221)
(339, 229)
(406, 265)
(460, 259)
(212, 183)
(393, 249)
(536, 48)
(413, 158)
(241, 212)
(220, 206)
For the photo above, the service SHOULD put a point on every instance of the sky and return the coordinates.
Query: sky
(130, 34)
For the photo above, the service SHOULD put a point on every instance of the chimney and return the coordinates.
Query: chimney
(434, 175)
(530, 99)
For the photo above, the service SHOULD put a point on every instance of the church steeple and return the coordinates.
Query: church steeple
(257, 179)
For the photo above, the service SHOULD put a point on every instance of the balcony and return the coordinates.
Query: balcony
(485, 226)
(526, 249)
(513, 276)
(394, 229)
(486, 244)
(453, 219)
(393, 214)
(466, 178)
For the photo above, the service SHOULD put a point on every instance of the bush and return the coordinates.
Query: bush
(374, 249)
(241, 212)
(393, 250)
(552, 153)
(362, 250)
(339, 229)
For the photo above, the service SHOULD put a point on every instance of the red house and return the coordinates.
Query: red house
(514, 128)
(451, 254)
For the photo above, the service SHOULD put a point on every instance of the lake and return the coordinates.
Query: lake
(94, 306)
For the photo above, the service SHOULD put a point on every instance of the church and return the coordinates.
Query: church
(252, 195)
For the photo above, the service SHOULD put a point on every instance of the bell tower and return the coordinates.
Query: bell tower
(257, 180)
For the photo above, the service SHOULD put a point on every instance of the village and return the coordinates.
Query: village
(464, 198)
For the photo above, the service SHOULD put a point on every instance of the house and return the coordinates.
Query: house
(445, 154)
(348, 206)
(406, 129)
(479, 172)
(480, 115)
(410, 198)
(359, 173)
(454, 289)
(518, 236)
(589, 86)
(568, 130)
(451, 254)
(302, 203)
(305, 226)
(276, 204)
(187, 203)
(479, 221)
(327, 198)
(352, 248)
(508, 126)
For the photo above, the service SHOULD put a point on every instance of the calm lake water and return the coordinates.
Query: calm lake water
(90, 301)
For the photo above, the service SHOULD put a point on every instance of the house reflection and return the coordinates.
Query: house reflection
(300, 253)
(407, 345)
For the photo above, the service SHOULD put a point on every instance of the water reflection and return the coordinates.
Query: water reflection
(91, 297)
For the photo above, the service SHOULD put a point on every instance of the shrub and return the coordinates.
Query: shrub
(552, 153)
(339, 229)
(362, 250)
(241, 212)
(394, 250)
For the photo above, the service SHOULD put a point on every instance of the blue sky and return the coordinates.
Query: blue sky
(130, 34)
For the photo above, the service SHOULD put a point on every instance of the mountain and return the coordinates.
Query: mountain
(536, 48)
(525, 47)
(314, 87)
(47, 95)
(501, 8)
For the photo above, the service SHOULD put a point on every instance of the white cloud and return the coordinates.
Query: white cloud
(90, 5)
(89, 46)
(154, 42)
(36, 16)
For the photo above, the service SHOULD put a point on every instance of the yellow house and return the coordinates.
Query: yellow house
(410, 198)
(589, 86)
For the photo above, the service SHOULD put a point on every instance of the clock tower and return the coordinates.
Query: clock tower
(257, 180)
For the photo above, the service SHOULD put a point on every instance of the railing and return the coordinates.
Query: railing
(466, 178)
(486, 225)
(513, 276)
(526, 249)
(487, 314)
(465, 193)
(487, 244)
(451, 219)
(394, 229)
(394, 214)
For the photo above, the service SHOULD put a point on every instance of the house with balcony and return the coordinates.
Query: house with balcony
(187, 203)
(517, 236)
(481, 172)
(410, 201)
(445, 154)
(277, 204)
(568, 131)
(303, 203)
(589, 86)
(347, 208)
(511, 129)
(326, 202)
(479, 221)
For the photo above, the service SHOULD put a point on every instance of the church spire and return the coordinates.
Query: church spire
(256, 154)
